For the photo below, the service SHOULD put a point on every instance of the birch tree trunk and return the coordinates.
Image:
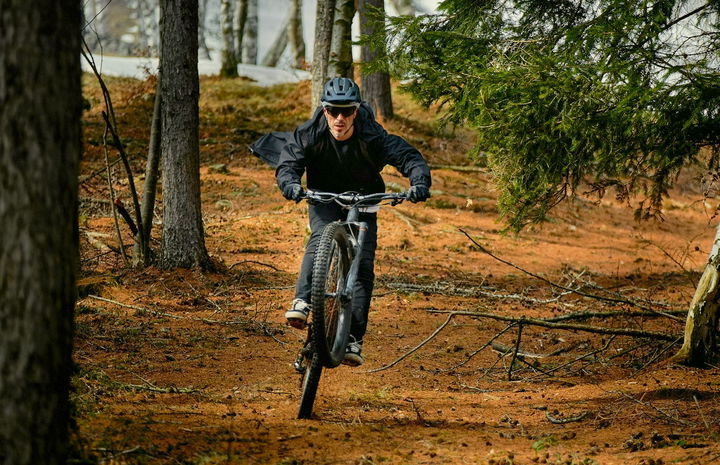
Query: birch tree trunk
(239, 19)
(341, 61)
(375, 86)
(229, 62)
(325, 14)
(250, 33)
(40, 144)
(272, 57)
(202, 19)
(295, 34)
(183, 239)
(700, 346)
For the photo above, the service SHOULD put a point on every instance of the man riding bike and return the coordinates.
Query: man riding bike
(342, 148)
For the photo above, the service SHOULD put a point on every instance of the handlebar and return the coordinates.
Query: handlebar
(350, 199)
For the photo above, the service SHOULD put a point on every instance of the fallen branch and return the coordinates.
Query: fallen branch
(448, 289)
(575, 291)
(589, 315)
(567, 326)
(153, 388)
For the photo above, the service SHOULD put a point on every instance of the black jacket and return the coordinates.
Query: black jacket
(312, 149)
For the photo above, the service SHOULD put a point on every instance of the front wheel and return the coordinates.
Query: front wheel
(330, 308)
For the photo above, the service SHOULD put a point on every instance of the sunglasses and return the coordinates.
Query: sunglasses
(337, 111)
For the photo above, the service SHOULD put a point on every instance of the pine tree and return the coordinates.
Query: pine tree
(620, 94)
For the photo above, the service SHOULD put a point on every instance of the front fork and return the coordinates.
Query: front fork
(356, 244)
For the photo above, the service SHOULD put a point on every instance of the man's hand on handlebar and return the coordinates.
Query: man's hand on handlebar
(293, 191)
(418, 193)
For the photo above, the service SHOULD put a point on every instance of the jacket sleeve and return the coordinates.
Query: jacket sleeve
(291, 164)
(292, 161)
(407, 159)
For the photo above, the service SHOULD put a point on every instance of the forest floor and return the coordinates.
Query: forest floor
(189, 367)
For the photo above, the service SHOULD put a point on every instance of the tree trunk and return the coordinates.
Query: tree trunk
(183, 240)
(295, 34)
(143, 254)
(250, 33)
(239, 20)
(341, 60)
(202, 18)
(40, 143)
(228, 67)
(321, 51)
(278, 47)
(700, 346)
(375, 86)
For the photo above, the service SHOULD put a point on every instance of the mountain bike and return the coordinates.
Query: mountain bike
(335, 270)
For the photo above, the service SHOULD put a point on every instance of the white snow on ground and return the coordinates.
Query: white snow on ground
(140, 68)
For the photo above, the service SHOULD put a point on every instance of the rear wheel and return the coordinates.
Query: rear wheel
(330, 308)
(309, 385)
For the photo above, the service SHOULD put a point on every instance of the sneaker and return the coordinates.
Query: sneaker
(298, 313)
(353, 353)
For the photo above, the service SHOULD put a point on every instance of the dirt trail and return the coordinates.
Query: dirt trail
(203, 373)
(188, 368)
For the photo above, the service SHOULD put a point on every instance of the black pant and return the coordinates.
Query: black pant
(320, 215)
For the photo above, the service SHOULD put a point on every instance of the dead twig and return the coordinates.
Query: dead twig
(417, 347)
(660, 411)
(582, 357)
(408, 220)
(657, 356)
(170, 315)
(477, 351)
(575, 291)
(707, 426)
(255, 262)
(126, 216)
(516, 348)
(112, 199)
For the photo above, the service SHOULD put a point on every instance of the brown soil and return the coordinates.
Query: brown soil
(185, 367)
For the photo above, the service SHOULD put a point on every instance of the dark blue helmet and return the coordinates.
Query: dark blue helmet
(340, 91)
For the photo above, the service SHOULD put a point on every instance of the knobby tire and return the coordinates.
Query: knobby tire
(331, 313)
